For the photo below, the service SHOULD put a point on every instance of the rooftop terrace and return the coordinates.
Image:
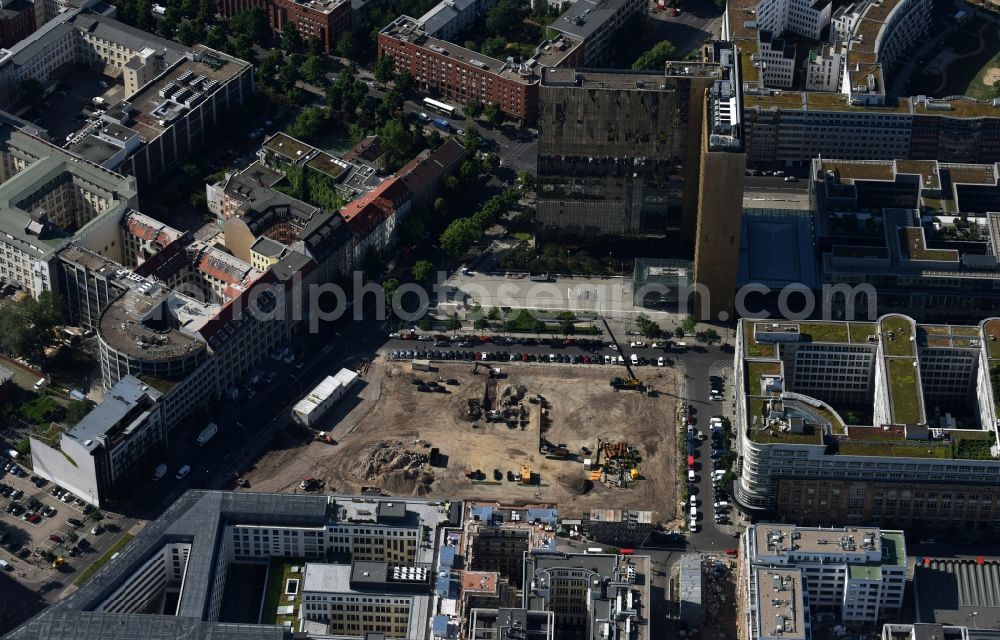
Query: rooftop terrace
(896, 336)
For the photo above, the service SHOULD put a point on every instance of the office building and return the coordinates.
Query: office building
(497, 537)
(870, 230)
(325, 20)
(511, 624)
(823, 69)
(806, 18)
(591, 595)
(449, 18)
(50, 198)
(116, 443)
(789, 574)
(461, 75)
(171, 579)
(858, 422)
(366, 597)
(958, 592)
(594, 24)
(925, 630)
(776, 60)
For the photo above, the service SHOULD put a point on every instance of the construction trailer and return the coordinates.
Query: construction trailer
(308, 411)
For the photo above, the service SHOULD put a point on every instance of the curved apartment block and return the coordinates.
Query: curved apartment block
(876, 422)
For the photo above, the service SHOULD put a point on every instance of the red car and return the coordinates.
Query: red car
(55, 538)
(731, 552)
(34, 518)
(525, 357)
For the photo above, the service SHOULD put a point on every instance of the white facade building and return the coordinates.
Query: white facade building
(824, 66)
(805, 17)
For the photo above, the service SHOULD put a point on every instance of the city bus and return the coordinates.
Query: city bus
(440, 107)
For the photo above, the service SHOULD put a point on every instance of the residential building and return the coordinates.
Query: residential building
(373, 217)
(368, 151)
(325, 20)
(858, 574)
(424, 174)
(114, 444)
(857, 422)
(594, 24)
(281, 153)
(619, 527)
(50, 198)
(17, 21)
(449, 18)
(205, 535)
(591, 595)
(462, 75)
(890, 224)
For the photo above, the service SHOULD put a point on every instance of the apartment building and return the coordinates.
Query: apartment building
(325, 20)
(871, 229)
(50, 199)
(858, 574)
(462, 75)
(112, 445)
(590, 595)
(189, 551)
(859, 421)
(372, 219)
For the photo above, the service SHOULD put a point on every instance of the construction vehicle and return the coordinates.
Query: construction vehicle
(525, 474)
(58, 562)
(325, 436)
(631, 383)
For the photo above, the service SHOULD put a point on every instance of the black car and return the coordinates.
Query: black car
(73, 522)
(497, 475)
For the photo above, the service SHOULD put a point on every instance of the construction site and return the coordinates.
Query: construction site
(516, 431)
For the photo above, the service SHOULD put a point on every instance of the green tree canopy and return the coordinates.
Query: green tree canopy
(655, 58)
(493, 114)
(423, 271)
(291, 42)
(26, 327)
(384, 69)
(397, 140)
(309, 124)
(252, 23)
(473, 109)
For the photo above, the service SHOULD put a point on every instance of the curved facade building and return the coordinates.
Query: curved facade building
(876, 422)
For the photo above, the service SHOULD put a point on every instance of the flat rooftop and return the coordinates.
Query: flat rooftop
(132, 323)
(624, 79)
(958, 592)
(407, 29)
(153, 113)
(585, 17)
(780, 605)
(288, 146)
(864, 543)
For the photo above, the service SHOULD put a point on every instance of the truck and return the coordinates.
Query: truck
(420, 365)
(207, 434)
(327, 393)
(441, 124)
(159, 472)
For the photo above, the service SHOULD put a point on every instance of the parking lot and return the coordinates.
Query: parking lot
(35, 522)
(60, 113)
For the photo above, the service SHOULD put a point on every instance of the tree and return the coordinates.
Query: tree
(191, 32)
(525, 181)
(453, 323)
(314, 69)
(389, 288)
(459, 236)
(347, 45)
(423, 270)
(314, 46)
(494, 46)
(291, 42)
(309, 123)
(471, 138)
(481, 323)
(689, 324)
(656, 56)
(567, 327)
(404, 81)
(493, 314)
(397, 140)
(426, 323)
(504, 18)
(711, 336)
(473, 109)
(493, 114)
(678, 333)
(252, 23)
(23, 447)
(647, 327)
(384, 69)
(26, 327)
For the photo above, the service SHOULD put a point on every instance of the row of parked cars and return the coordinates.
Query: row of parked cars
(507, 356)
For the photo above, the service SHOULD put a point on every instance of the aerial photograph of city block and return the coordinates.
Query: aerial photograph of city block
(500, 319)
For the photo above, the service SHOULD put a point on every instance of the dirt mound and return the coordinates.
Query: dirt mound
(408, 481)
(386, 456)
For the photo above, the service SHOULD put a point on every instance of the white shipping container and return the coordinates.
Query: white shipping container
(326, 394)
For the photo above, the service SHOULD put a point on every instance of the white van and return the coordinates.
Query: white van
(721, 505)
(694, 512)
(659, 361)
(183, 471)
(690, 475)
(693, 525)
(635, 359)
